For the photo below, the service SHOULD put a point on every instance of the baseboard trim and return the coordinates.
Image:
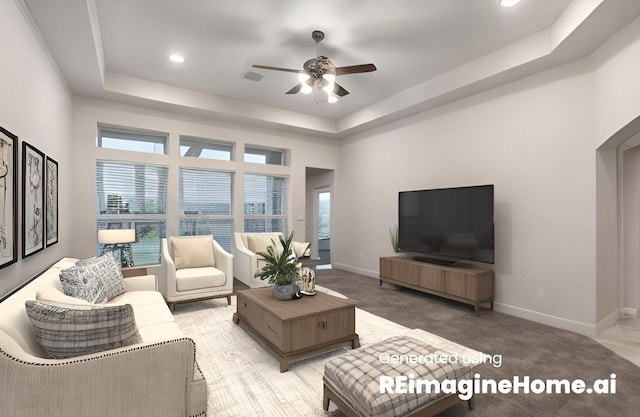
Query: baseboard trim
(547, 319)
(608, 321)
(535, 316)
(630, 312)
(356, 270)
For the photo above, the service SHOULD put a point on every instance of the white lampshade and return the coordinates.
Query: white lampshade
(113, 236)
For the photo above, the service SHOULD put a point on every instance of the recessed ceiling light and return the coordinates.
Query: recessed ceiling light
(508, 3)
(176, 58)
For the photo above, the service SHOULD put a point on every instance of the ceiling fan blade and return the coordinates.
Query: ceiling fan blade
(295, 90)
(355, 69)
(339, 91)
(279, 69)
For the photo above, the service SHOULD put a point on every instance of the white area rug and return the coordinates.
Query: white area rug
(245, 380)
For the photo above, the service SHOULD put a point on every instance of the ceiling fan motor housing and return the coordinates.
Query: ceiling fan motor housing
(317, 67)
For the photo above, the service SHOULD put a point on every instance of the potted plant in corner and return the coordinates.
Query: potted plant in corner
(281, 269)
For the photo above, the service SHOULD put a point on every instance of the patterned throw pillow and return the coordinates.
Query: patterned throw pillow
(65, 331)
(96, 280)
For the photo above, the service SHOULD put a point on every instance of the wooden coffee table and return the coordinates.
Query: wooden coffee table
(296, 329)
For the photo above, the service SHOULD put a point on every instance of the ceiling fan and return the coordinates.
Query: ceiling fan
(321, 73)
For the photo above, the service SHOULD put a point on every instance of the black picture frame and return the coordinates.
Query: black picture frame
(33, 185)
(51, 202)
(8, 198)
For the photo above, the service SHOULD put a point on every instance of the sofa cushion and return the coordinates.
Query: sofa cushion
(260, 242)
(66, 331)
(96, 280)
(192, 252)
(199, 278)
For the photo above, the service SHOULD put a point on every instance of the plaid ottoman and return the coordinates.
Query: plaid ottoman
(352, 380)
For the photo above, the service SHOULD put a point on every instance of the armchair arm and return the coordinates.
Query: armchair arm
(167, 286)
(140, 283)
(139, 380)
(224, 260)
(244, 261)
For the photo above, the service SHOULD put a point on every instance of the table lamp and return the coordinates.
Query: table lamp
(118, 240)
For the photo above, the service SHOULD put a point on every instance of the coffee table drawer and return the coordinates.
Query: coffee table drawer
(252, 313)
(273, 330)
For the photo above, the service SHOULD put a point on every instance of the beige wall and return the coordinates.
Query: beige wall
(36, 106)
(536, 140)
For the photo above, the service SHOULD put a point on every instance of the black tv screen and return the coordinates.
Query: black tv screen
(448, 223)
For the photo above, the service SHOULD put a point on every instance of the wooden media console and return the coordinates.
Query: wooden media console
(467, 285)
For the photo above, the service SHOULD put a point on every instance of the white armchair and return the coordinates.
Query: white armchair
(245, 261)
(197, 268)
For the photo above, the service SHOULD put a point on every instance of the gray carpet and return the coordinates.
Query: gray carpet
(527, 349)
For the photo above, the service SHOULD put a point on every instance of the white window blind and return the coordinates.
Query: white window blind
(132, 141)
(205, 204)
(133, 196)
(265, 203)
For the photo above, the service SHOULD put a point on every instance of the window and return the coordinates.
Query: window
(265, 203)
(205, 205)
(133, 196)
(264, 156)
(198, 148)
(132, 141)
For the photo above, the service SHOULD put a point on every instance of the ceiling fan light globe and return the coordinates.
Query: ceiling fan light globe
(329, 77)
(306, 89)
(329, 88)
(303, 77)
(332, 98)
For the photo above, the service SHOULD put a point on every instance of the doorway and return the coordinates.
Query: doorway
(322, 235)
(319, 204)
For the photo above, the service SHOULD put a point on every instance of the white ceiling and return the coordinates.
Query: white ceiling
(427, 52)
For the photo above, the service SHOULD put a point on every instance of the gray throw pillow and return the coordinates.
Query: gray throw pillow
(96, 280)
(66, 331)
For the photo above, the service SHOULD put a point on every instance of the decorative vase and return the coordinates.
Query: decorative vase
(286, 292)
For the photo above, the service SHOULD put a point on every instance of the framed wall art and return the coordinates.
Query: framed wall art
(51, 202)
(8, 198)
(33, 185)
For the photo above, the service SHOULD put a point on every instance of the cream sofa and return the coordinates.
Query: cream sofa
(157, 377)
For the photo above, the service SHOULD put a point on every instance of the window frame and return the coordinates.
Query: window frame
(133, 136)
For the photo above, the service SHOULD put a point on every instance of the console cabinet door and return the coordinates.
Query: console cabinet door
(432, 279)
(409, 273)
(455, 283)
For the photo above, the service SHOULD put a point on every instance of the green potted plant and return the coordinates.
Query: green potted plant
(281, 269)
(393, 236)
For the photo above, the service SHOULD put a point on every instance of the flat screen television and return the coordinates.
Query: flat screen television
(447, 224)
